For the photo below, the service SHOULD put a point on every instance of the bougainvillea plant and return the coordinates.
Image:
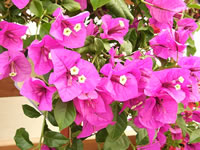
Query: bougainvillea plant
(99, 66)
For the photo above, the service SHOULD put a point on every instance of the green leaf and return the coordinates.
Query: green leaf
(145, 10)
(195, 136)
(181, 123)
(99, 46)
(101, 136)
(88, 46)
(132, 37)
(36, 7)
(44, 29)
(54, 139)
(22, 139)
(116, 130)
(28, 41)
(2, 49)
(197, 6)
(191, 50)
(77, 144)
(122, 143)
(126, 47)
(30, 111)
(51, 118)
(98, 3)
(141, 26)
(142, 137)
(65, 114)
(180, 108)
(49, 6)
(71, 5)
(119, 9)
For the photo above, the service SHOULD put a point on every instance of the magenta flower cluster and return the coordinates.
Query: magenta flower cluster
(132, 82)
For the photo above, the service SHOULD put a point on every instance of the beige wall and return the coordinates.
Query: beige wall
(12, 118)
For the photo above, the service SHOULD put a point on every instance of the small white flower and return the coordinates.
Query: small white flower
(12, 74)
(74, 70)
(181, 79)
(121, 23)
(67, 31)
(177, 87)
(81, 79)
(49, 56)
(123, 79)
(77, 27)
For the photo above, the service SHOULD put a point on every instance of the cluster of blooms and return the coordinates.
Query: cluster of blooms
(132, 82)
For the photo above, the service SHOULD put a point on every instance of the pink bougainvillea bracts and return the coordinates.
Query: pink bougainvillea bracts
(39, 52)
(70, 31)
(114, 28)
(20, 3)
(37, 90)
(15, 65)
(10, 35)
(72, 75)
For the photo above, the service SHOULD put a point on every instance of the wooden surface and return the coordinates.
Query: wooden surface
(7, 88)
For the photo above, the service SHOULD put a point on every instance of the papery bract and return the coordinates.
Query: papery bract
(92, 29)
(35, 89)
(158, 26)
(39, 52)
(185, 28)
(10, 35)
(161, 110)
(120, 81)
(172, 81)
(192, 63)
(72, 75)
(114, 28)
(153, 146)
(165, 45)
(95, 112)
(163, 10)
(187, 24)
(196, 116)
(142, 71)
(69, 31)
(20, 3)
(176, 133)
(15, 65)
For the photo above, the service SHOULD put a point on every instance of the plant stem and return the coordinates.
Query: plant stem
(70, 137)
(133, 147)
(99, 146)
(39, 23)
(94, 58)
(42, 132)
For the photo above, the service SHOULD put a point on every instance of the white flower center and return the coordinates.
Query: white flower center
(67, 31)
(77, 27)
(74, 70)
(121, 23)
(12, 74)
(123, 79)
(49, 56)
(81, 79)
(177, 87)
(181, 79)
